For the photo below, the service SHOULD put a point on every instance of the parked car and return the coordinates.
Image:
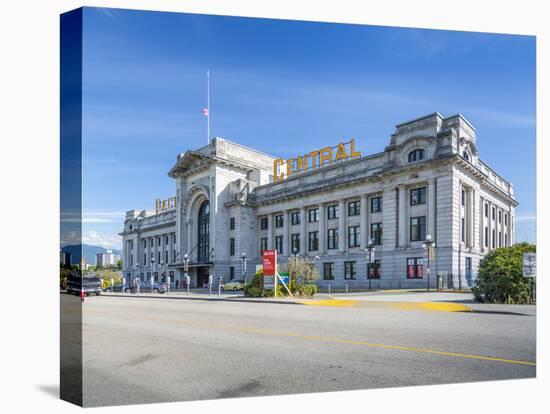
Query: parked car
(145, 287)
(86, 284)
(233, 285)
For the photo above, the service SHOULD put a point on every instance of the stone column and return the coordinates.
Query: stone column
(482, 224)
(322, 229)
(364, 227)
(431, 208)
(286, 233)
(472, 217)
(342, 226)
(490, 226)
(303, 231)
(270, 231)
(402, 202)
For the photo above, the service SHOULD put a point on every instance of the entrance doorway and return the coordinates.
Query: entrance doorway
(202, 276)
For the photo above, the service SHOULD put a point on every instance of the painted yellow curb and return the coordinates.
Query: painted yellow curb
(339, 303)
(422, 306)
(430, 306)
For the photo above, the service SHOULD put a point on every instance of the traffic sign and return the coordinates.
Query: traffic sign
(529, 264)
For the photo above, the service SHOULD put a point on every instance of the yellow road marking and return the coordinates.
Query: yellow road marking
(328, 339)
(424, 306)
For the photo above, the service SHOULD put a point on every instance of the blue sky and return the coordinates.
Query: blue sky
(285, 87)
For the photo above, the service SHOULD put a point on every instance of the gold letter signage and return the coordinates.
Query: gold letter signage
(162, 205)
(315, 159)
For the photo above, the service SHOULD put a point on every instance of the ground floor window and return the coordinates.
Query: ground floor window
(295, 243)
(350, 270)
(231, 273)
(328, 271)
(415, 268)
(374, 270)
(263, 245)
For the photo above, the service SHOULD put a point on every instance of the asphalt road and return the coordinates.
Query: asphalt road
(141, 350)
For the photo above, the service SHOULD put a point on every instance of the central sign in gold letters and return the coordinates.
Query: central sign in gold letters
(314, 159)
(162, 205)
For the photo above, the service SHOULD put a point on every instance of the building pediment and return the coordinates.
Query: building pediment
(190, 161)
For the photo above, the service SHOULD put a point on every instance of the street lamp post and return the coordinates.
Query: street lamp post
(427, 245)
(152, 271)
(186, 268)
(243, 267)
(163, 272)
(370, 252)
(136, 279)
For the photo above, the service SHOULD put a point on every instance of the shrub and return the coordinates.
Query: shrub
(256, 285)
(252, 291)
(500, 277)
(307, 290)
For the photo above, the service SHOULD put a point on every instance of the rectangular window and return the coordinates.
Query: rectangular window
(231, 273)
(158, 241)
(374, 270)
(144, 243)
(462, 229)
(376, 233)
(376, 204)
(166, 256)
(354, 208)
(486, 236)
(144, 259)
(505, 240)
(263, 244)
(505, 219)
(232, 223)
(279, 221)
(494, 213)
(354, 237)
(332, 239)
(487, 210)
(350, 270)
(295, 237)
(463, 198)
(332, 211)
(279, 244)
(232, 246)
(494, 237)
(174, 256)
(499, 239)
(313, 215)
(328, 271)
(295, 217)
(500, 216)
(313, 241)
(418, 196)
(166, 240)
(418, 228)
(263, 223)
(174, 238)
(158, 257)
(415, 268)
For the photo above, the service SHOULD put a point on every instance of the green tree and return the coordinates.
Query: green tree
(500, 277)
(119, 264)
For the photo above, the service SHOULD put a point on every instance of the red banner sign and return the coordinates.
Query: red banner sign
(269, 262)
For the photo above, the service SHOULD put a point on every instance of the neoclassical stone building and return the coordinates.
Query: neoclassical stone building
(429, 180)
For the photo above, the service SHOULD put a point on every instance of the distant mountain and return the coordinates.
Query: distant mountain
(88, 250)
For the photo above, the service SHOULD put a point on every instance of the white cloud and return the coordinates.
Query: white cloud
(109, 241)
(526, 217)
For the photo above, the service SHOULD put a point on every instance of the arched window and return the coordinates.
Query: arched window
(465, 155)
(416, 155)
(204, 232)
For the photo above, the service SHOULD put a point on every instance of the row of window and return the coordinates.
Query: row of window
(354, 239)
(417, 233)
(159, 238)
(494, 238)
(159, 259)
(417, 196)
(494, 214)
(415, 269)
